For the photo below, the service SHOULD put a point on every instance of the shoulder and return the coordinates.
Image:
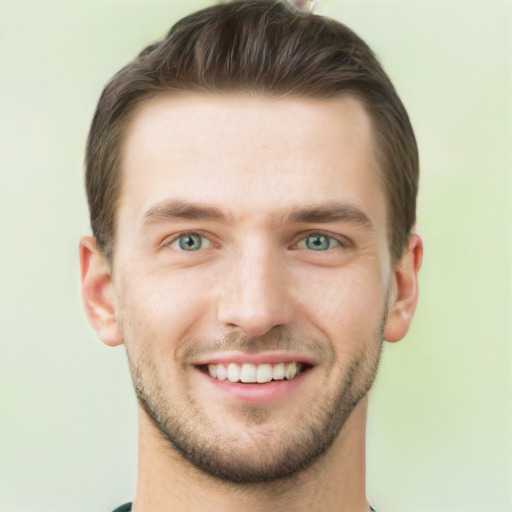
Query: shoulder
(124, 508)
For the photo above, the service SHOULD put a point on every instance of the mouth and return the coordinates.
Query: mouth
(249, 373)
(255, 378)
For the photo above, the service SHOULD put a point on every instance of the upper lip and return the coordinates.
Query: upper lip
(273, 357)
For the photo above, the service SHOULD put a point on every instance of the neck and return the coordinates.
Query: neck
(336, 482)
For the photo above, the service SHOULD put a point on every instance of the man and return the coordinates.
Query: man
(252, 182)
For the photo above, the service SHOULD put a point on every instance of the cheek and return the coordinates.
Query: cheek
(156, 311)
(345, 304)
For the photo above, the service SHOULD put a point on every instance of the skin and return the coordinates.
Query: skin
(270, 176)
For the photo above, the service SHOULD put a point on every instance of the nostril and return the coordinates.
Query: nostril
(257, 299)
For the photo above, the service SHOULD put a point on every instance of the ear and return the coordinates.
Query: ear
(405, 298)
(96, 282)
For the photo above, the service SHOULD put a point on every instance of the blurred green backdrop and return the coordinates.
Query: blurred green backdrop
(440, 414)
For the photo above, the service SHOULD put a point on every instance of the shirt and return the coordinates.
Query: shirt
(128, 506)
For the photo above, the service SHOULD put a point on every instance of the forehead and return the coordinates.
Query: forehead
(248, 154)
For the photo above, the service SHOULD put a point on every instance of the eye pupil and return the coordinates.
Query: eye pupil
(190, 242)
(317, 242)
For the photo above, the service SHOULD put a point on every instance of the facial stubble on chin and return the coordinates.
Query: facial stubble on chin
(251, 457)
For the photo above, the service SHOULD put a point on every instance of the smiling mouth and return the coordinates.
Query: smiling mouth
(248, 373)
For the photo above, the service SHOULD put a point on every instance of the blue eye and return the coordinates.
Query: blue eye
(318, 242)
(188, 242)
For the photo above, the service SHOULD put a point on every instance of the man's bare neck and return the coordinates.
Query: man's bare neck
(335, 482)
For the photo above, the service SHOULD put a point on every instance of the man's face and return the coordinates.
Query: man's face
(251, 244)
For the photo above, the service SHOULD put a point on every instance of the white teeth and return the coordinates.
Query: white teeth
(233, 372)
(278, 371)
(250, 373)
(221, 372)
(212, 370)
(291, 370)
(264, 373)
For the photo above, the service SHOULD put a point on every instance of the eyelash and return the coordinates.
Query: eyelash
(340, 242)
(176, 239)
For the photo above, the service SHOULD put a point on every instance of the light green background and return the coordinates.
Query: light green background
(439, 424)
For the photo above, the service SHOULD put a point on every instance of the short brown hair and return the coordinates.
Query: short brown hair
(256, 46)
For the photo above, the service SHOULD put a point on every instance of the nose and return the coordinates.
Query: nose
(256, 297)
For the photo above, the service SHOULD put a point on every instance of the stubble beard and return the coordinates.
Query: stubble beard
(249, 457)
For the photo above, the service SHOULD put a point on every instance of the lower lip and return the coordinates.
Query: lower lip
(258, 393)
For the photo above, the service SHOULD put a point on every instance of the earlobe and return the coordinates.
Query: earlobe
(96, 282)
(405, 299)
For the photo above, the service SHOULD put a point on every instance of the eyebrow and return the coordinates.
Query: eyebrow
(172, 209)
(328, 212)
